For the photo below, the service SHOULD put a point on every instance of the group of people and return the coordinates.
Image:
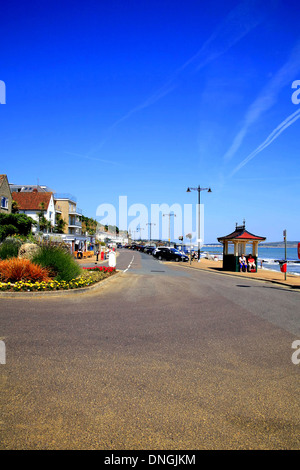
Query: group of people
(244, 263)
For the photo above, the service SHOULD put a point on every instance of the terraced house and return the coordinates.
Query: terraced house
(5, 195)
(66, 206)
(37, 205)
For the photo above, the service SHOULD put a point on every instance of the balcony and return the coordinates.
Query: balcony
(75, 211)
(75, 223)
(74, 231)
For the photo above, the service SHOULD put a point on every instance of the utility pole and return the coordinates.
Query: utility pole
(150, 223)
(139, 229)
(134, 232)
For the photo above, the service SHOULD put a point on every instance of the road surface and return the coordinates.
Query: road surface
(160, 357)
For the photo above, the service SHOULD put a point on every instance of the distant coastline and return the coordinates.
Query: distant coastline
(292, 244)
(279, 244)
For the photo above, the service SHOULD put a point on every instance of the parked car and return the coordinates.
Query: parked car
(149, 249)
(158, 248)
(140, 247)
(170, 254)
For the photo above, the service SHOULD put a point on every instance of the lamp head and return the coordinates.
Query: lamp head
(188, 190)
(209, 190)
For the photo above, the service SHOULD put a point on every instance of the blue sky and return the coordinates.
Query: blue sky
(143, 99)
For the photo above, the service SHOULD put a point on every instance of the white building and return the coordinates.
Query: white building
(34, 203)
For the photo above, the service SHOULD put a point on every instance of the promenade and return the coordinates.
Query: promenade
(292, 281)
(262, 274)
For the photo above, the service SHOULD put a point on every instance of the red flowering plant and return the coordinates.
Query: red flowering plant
(104, 269)
(98, 273)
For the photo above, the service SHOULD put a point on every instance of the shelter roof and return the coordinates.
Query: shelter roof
(240, 233)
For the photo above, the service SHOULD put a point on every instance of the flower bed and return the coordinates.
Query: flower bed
(90, 277)
(104, 269)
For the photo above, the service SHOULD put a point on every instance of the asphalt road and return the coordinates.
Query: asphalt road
(160, 357)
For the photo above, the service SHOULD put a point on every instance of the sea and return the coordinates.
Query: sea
(266, 257)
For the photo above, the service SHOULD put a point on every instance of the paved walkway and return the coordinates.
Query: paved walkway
(163, 357)
(292, 281)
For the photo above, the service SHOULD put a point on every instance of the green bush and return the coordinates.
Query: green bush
(6, 230)
(61, 264)
(9, 248)
(15, 223)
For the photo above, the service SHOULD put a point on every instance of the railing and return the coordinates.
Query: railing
(68, 196)
(76, 211)
(75, 223)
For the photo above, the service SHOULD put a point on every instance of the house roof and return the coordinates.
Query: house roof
(32, 201)
(2, 178)
(29, 188)
(241, 233)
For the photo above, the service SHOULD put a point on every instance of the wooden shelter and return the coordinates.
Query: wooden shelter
(240, 239)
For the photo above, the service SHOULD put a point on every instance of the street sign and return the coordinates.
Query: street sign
(112, 259)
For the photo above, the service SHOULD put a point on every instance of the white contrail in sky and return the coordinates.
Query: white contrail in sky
(267, 98)
(164, 90)
(274, 134)
(92, 158)
(237, 24)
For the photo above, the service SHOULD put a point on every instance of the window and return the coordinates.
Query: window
(4, 203)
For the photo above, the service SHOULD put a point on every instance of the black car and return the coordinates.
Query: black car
(170, 254)
(149, 249)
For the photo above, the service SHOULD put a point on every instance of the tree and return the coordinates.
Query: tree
(60, 224)
(15, 207)
(11, 224)
(42, 224)
(89, 225)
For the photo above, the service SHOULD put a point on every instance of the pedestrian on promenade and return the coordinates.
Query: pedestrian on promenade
(243, 263)
(251, 262)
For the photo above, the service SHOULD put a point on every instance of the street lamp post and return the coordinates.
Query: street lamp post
(169, 215)
(199, 189)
